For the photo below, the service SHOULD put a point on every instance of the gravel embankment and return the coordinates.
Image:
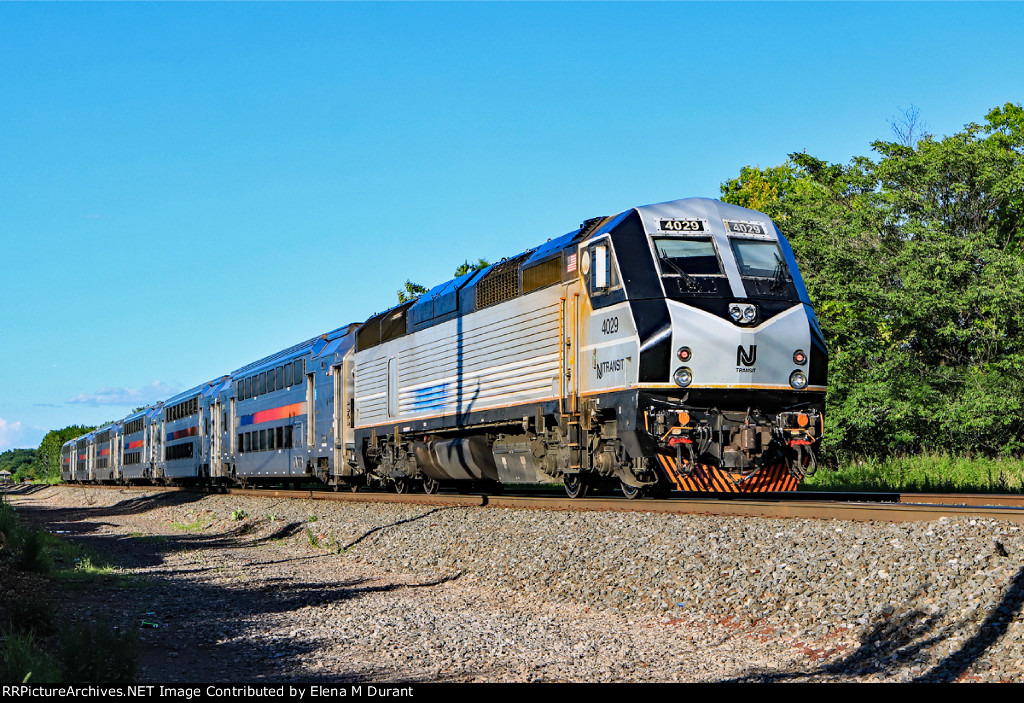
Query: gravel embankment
(316, 590)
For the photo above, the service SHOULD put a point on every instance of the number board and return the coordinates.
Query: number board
(737, 227)
(684, 226)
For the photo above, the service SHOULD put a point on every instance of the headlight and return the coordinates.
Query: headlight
(798, 380)
(799, 357)
(683, 376)
(743, 313)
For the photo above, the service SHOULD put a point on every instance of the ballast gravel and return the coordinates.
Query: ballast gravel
(257, 589)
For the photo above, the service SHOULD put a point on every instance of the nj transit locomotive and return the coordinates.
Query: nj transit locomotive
(672, 346)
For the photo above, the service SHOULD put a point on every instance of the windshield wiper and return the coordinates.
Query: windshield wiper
(666, 260)
(779, 278)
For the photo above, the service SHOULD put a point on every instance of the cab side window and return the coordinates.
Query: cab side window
(598, 268)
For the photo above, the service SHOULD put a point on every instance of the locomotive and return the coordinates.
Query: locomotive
(670, 347)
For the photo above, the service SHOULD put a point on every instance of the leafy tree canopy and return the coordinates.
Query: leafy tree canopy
(47, 464)
(914, 261)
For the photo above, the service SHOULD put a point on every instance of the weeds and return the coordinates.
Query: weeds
(239, 514)
(313, 518)
(9, 533)
(99, 653)
(88, 652)
(924, 473)
(29, 614)
(198, 525)
(156, 539)
(21, 660)
(34, 553)
(86, 572)
(314, 541)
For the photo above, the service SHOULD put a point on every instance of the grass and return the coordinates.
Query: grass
(201, 522)
(77, 566)
(86, 573)
(88, 653)
(22, 660)
(35, 555)
(92, 652)
(924, 473)
(29, 613)
(9, 533)
(156, 539)
(69, 562)
(99, 653)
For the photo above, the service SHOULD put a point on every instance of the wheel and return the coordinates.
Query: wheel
(431, 485)
(576, 484)
(631, 492)
(402, 485)
(660, 490)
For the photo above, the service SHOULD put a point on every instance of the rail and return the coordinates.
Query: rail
(864, 507)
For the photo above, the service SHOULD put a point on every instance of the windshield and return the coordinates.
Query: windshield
(687, 257)
(759, 259)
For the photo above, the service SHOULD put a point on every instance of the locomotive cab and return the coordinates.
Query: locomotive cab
(729, 361)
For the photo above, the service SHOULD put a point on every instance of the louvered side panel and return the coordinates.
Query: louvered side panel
(502, 356)
(371, 385)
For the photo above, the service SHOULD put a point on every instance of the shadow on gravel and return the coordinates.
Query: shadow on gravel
(128, 506)
(896, 642)
(368, 533)
(24, 489)
(209, 618)
(994, 627)
(292, 528)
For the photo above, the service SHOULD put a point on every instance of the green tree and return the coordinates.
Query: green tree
(914, 264)
(18, 462)
(47, 464)
(466, 267)
(411, 292)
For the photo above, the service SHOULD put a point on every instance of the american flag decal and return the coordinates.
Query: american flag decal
(571, 264)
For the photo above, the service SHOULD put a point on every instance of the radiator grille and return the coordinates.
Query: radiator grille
(500, 284)
(542, 275)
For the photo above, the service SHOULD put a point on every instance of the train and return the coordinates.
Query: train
(670, 347)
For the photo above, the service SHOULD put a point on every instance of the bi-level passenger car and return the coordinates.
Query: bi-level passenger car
(671, 346)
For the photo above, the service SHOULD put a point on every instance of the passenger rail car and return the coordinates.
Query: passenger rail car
(672, 346)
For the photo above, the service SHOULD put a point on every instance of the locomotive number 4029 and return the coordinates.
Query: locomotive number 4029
(610, 325)
(733, 227)
(682, 225)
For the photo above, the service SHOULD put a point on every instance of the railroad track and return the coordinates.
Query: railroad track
(881, 507)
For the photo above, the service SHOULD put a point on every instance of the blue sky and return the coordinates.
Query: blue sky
(185, 188)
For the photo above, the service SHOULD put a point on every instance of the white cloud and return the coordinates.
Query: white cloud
(133, 397)
(10, 434)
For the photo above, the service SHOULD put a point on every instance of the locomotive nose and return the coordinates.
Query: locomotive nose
(730, 354)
